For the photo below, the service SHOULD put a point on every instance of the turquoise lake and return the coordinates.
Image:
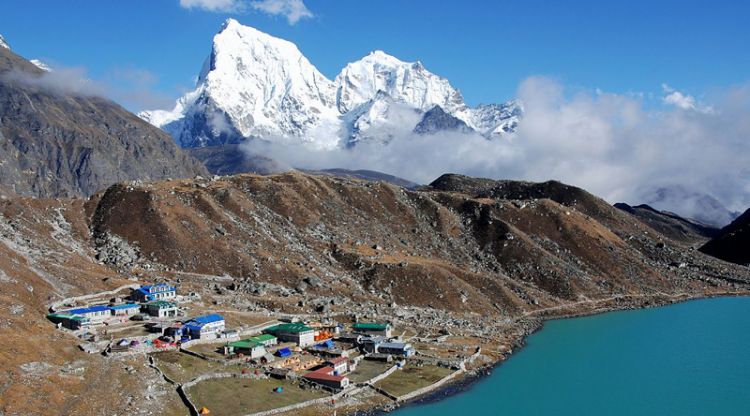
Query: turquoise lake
(691, 358)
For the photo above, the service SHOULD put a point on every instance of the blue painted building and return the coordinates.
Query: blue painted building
(158, 291)
(204, 327)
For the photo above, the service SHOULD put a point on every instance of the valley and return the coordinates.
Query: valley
(485, 261)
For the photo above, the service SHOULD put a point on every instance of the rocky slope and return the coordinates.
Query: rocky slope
(55, 141)
(462, 254)
(671, 225)
(254, 85)
(733, 241)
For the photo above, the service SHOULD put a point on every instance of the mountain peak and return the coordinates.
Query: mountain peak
(3, 43)
(255, 85)
(252, 85)
(229, 22)
(407, 82)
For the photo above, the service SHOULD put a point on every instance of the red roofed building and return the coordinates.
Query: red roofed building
(326, 376)
(340, 365)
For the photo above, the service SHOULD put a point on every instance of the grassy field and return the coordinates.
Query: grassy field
(368, 369)
(209, 350)
(235, 396)
(127, 331)
(412, 378)
(182, 368)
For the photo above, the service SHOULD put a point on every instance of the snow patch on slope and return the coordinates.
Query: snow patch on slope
(41, 65)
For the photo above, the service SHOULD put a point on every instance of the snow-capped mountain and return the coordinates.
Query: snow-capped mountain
(379, 119)
(3, 43)
(406, 82)
(254, 85)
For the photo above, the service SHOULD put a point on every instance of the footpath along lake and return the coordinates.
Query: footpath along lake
(691, 358)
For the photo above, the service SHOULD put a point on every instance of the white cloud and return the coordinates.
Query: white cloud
(681, 100)
(213, 5)
(609, 144)
(133, 88)
(292, 10)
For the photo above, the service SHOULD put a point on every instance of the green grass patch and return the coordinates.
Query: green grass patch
(367, 369)
(182, 367)
(412, 378)
(237, 396)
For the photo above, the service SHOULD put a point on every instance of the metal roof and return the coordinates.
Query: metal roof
(146, 289)
(90, 309)
(203, 320)
(294, 328)
(324, 373)
(370, 326)
(162, 304)
(125, 306)
(244, 343)
(262, 338)
(396, 345)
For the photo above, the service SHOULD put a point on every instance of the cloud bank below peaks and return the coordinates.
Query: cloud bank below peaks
(610, 144)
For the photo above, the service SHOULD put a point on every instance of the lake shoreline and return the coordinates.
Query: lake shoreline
(465, 383)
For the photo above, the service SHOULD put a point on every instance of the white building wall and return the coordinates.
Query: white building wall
(306, 338)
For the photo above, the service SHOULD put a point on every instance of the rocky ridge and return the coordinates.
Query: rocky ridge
(59, 142)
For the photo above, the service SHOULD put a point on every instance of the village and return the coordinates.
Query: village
(286, 362)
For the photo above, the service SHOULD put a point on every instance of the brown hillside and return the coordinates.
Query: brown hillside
(482, 256)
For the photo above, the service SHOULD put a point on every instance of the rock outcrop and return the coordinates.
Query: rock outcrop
(733, 242)
(59, 140)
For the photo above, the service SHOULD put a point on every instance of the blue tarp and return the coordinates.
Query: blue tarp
(326, 344)
(284, 352)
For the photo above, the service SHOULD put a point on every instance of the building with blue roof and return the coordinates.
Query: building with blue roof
(92, 314)
(158, 291)
(204, 327)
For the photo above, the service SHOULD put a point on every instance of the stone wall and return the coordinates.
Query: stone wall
(416, 393)
(83, 298)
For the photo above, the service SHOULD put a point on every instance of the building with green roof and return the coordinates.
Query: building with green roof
(297, 332)
(246, 347)
(372, 328)
(161, 308)
(266, 340)
(67, 320)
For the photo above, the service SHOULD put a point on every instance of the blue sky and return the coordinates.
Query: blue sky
(485, 48)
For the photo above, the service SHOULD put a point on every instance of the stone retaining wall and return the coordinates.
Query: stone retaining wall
(322, 400)
(377, 378)
(55, 305)
(446, 379)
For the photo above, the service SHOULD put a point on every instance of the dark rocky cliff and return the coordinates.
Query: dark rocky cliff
(733, 242)
(56, 142)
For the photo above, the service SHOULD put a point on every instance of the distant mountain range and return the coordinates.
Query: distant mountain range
(699, 206)
(256, 86)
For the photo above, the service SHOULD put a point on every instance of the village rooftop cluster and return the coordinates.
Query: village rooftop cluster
(318, 355)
